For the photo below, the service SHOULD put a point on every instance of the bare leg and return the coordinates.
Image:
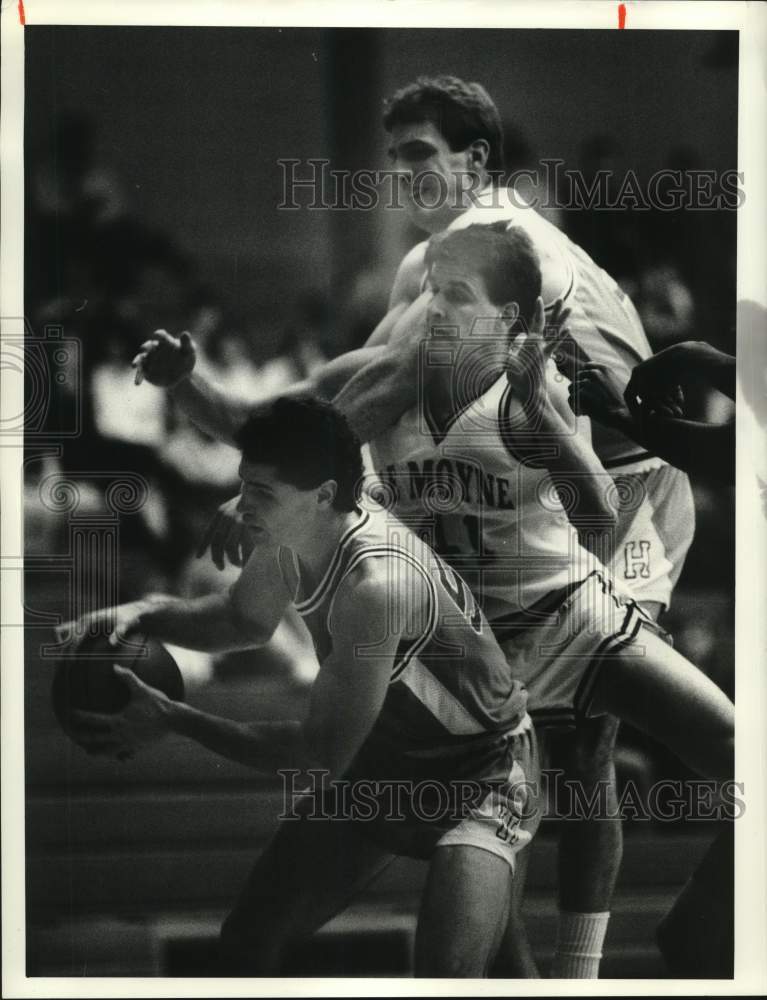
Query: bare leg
(660, 692)
(463, 913)
(590, 848)
(515, 956)
(307, 874)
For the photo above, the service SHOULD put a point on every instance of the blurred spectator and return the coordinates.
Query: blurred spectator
(519, 155)
(664, 303)
(301, 346)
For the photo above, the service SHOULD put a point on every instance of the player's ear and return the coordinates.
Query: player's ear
(510, 314)
(326, 493)
(479, 152)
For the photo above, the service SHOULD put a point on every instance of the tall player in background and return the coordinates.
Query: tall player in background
(446, 142)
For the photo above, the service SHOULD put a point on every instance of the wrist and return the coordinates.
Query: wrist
(145, 613)
(180, 382)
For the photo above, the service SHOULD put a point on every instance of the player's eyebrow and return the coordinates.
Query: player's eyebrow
(411, 148)
(459, 283)
(256, 482)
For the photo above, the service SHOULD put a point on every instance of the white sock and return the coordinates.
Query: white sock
(579, 945)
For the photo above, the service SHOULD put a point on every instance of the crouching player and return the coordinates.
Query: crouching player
(414, 700)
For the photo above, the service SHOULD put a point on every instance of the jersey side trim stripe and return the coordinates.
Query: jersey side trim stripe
(615, 463)
(626, 634)
(440, 702)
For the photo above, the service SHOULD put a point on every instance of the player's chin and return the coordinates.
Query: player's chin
(432, 220)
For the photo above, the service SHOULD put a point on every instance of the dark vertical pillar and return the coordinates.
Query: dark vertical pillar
(354, 122)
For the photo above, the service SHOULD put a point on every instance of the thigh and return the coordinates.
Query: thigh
(463, 913)
(654, 688)
(308, 873)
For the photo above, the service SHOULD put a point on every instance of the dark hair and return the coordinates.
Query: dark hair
(502, 254)
(463, 112)
(308, 441)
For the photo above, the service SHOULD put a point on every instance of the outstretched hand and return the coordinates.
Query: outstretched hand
(227, 537)
(165, 360)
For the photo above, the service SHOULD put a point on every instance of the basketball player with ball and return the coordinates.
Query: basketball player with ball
(413, 697)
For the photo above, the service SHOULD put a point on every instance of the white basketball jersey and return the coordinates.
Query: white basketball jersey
(497, 519)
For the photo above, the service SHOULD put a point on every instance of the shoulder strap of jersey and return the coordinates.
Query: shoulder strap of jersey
(314, 600)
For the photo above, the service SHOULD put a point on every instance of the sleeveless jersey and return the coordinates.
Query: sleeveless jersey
(495, 516)
(450, 683)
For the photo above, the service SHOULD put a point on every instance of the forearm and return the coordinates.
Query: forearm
(573, 464)
(221, 415)
(697, 448)
(378, 394)
(265, 746)
(206, 623)
(209, 407)
(331, 378)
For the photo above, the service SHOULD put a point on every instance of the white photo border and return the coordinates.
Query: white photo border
(750, 20)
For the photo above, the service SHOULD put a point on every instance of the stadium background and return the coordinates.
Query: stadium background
(152, 187)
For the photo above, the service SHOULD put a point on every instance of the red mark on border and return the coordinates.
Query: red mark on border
(22, 18)
(621, 15)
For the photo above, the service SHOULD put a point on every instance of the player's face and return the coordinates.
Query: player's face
(273, 510)
(434, 181)
(460, 305)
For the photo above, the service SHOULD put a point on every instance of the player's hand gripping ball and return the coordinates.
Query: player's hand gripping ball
(96, 680)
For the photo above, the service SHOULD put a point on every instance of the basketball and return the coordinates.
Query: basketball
(86, 680)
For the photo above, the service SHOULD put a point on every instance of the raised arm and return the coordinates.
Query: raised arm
(171, 362)
(385, 388)
(541, 428)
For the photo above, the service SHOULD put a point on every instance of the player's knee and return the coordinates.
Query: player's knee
(588, 754)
